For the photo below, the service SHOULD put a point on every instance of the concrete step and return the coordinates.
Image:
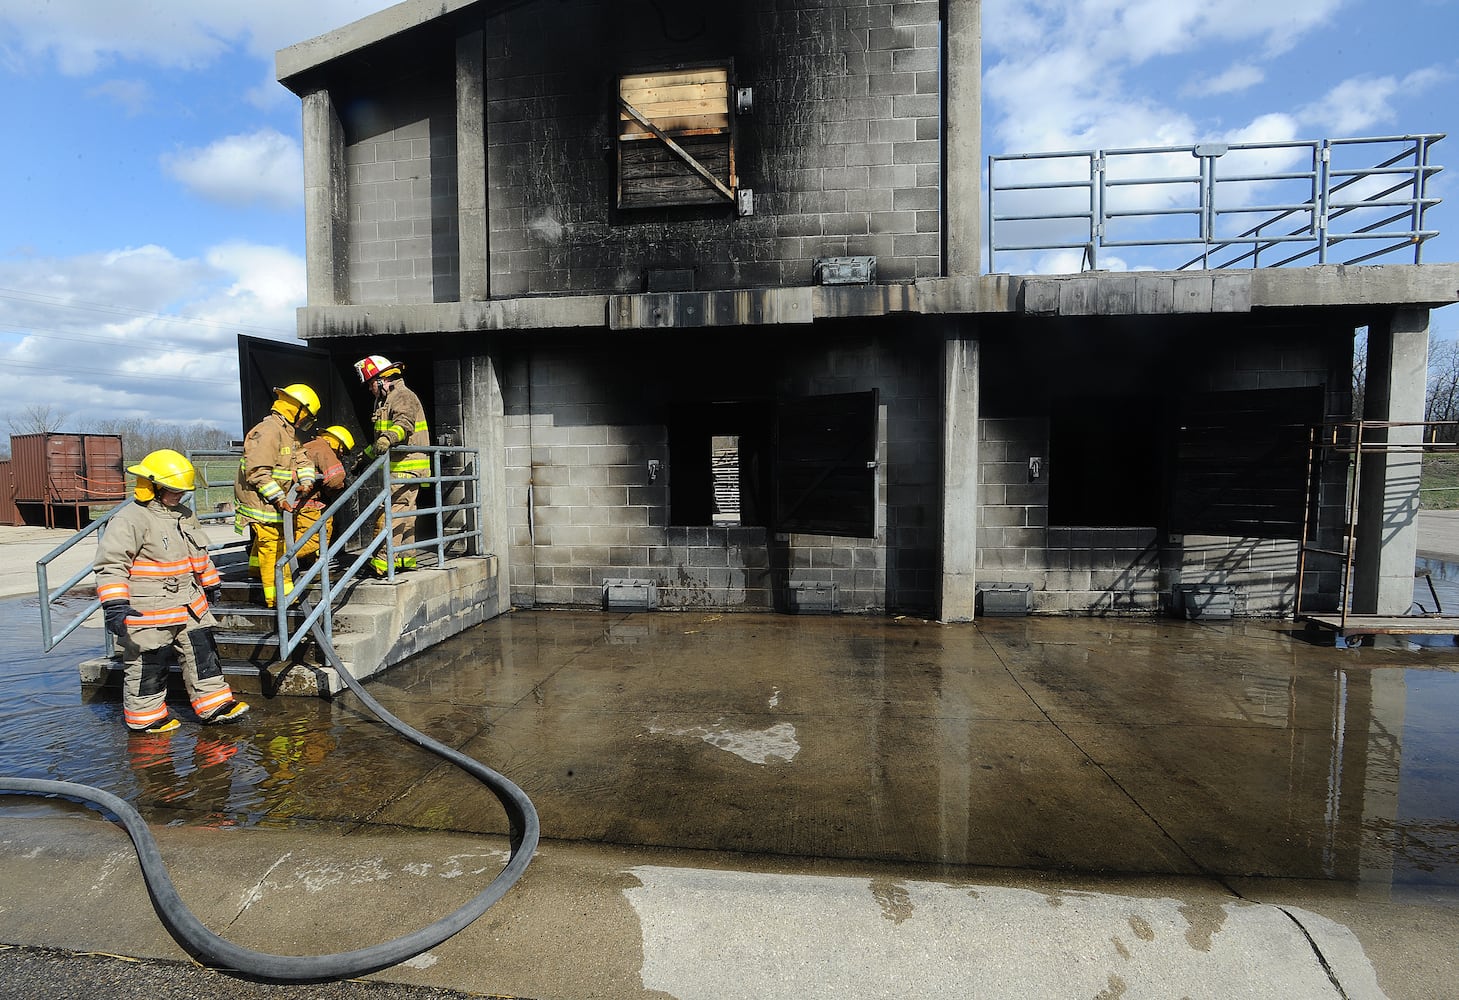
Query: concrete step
(377, 625)
(245, 677)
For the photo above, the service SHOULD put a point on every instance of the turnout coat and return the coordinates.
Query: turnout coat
(156, 557)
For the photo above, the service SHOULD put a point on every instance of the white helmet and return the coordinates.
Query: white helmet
(377, 366)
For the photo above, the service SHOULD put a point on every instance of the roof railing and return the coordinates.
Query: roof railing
(1242, 204)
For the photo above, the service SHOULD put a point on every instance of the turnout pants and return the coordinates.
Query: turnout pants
(268, 545)
(145, 656)
(304, 519)
(403, 499)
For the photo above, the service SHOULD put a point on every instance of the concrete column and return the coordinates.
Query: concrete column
(1387, 533)
(962, 127)
(483, 411)
(326, 203)
(471, 166)
(960, 367)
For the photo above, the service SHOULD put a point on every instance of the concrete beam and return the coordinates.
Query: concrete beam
(1341, 285)
(1103, 294)
(566, 312)
(325, 48)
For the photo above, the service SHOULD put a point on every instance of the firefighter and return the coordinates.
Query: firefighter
(273, 462)
(324, 453)
(156, 582)
(399, 425)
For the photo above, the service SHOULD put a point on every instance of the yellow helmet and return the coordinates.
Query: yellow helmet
(294, 401)
(166, 468)
(343, 439)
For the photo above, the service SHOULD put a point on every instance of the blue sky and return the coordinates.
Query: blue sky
(153, 189)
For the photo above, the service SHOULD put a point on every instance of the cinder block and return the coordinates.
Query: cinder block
(630, 594)
(1207, 601)
(1003, 600)
(812, 597)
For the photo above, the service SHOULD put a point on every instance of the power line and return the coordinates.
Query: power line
(35, 298)
(118, 375)
(50, 335)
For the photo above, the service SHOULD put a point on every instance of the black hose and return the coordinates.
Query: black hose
(211, 950)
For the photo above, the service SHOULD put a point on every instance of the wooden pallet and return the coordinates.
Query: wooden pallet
(1356, 626)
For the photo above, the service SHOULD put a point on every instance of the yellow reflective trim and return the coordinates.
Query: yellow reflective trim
(267, 516)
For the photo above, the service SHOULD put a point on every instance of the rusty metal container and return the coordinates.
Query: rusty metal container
(67, 468)
(9, 513)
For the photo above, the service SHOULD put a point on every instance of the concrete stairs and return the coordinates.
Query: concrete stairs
(376, 625)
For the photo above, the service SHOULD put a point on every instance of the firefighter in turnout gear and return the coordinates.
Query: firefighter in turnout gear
(324, 454)
(273, 462)
(156, 582)
(399, 425)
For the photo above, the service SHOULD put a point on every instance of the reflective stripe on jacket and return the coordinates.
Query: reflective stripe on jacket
(156, 557)
(272, 462)
(400, 423)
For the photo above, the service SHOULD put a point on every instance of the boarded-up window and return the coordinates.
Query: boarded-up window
(1104, 461)
(676, 138)
(825, 469)
(1241, 462)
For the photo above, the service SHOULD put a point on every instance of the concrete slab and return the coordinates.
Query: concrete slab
(792, 806)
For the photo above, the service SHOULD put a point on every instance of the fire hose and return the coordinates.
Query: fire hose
(212, 950)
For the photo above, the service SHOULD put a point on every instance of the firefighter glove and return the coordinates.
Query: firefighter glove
(214, 594)
(117, 612)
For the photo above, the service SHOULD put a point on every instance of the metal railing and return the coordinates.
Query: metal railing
(464, 531)
(203, 462)
(457, 526)
(1288, 202)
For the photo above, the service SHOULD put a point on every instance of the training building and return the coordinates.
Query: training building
(705, 286)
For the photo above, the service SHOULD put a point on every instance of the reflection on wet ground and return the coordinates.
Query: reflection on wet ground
(1095, 745)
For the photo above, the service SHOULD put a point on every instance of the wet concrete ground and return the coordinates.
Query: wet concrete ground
(1229, 757)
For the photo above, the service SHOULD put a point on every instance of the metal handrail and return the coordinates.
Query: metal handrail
(1014, 181)
(48, 597)
(376, 477)
(377, 507)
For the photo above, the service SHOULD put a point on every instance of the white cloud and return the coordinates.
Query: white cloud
(133, 96)
(1058, 72)
(82, 36)
(1232, 80)
(1359, 104)
(140, 332)
(264, 166)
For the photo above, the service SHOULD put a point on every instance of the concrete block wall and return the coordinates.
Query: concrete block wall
(401, 167)
(1264, 571)
(1070, 569)
(581, 427)
(842, 148)
(1100, 570)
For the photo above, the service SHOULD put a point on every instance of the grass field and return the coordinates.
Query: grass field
(1440, 483)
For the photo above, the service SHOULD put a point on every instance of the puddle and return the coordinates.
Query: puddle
(225, 776)
(1071, 744)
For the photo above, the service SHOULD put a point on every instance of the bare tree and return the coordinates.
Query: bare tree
(1441, 401)
(1360, 372)
(37, 418)
(142, 436)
